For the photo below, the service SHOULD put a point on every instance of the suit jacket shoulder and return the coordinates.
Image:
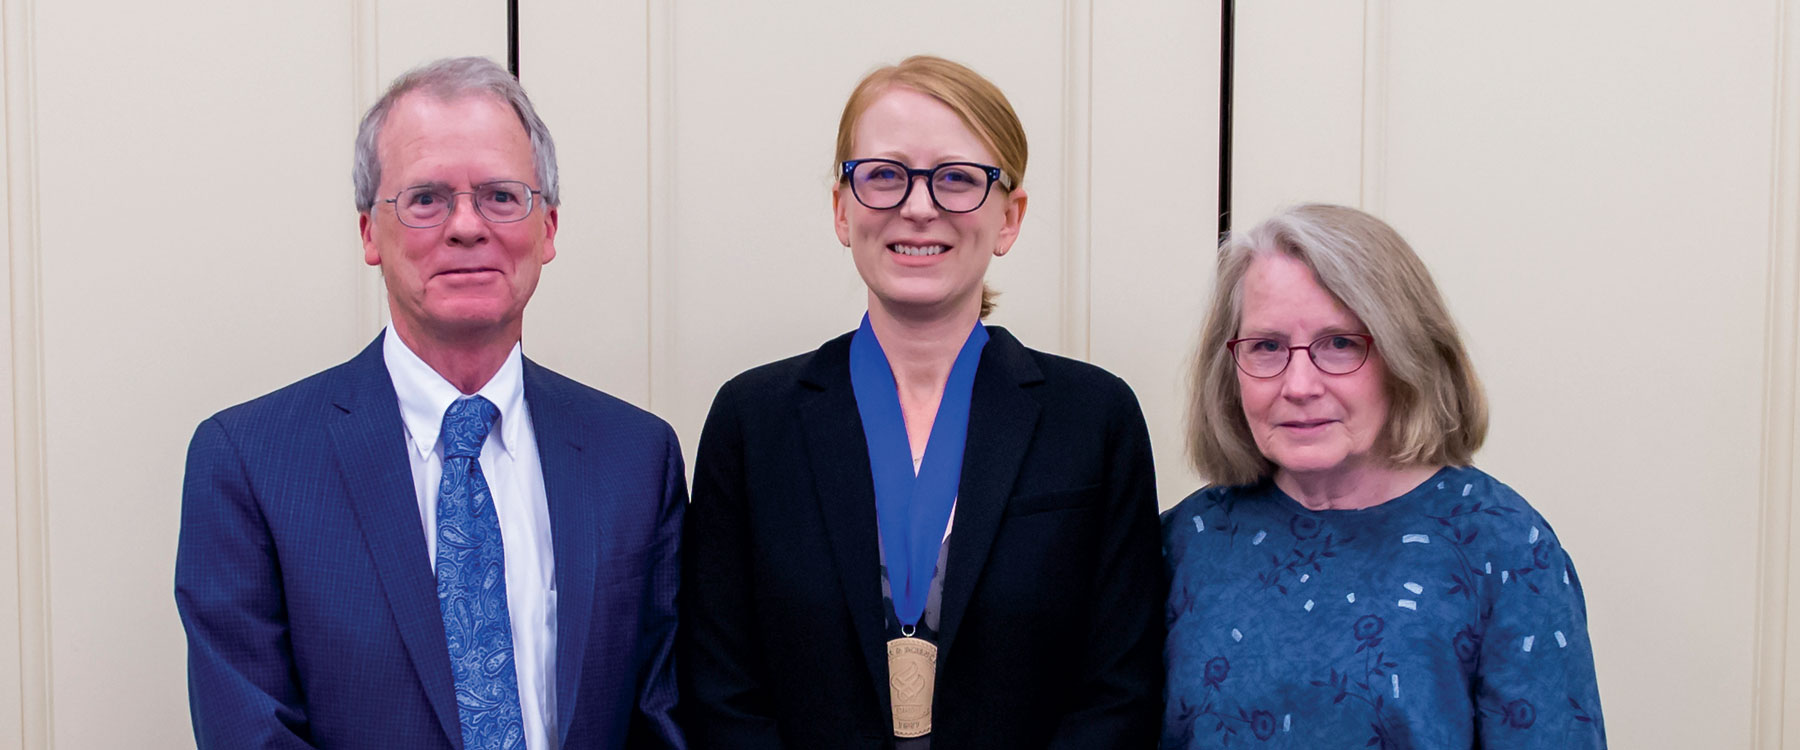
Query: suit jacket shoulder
(819, 367)
(294, 400)
(272, 429)
(594, 410)
(1062, 373)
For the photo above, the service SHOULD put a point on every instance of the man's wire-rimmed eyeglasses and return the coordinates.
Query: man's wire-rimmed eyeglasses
(501, 202)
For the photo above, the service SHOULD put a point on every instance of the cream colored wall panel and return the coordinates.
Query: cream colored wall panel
(12, 677)
(21, 251)
(1155, 142)
(1298, 110)
(1590, 186)
(1076, 180)
(413, 32)
(199, 248)
(1592, 195)
(755, 271)
(24, 670)
(1778, 656)
(1778, 661)
(585, 67)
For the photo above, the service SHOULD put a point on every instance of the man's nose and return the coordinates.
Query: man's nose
(465, 226)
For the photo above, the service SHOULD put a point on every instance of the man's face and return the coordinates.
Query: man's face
(467, 279)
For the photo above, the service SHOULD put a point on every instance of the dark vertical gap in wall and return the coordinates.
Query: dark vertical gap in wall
(512, 37)
(1227, 32)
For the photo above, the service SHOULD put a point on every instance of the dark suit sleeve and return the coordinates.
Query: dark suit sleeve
(1120, 702)
(242, 688)
(654, 725)
(722, 681)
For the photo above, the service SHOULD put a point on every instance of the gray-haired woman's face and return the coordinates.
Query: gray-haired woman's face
(1306, 420)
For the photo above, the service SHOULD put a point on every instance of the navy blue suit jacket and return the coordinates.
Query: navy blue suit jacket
(309, 600)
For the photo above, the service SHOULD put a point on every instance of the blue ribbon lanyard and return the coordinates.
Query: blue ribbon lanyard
(912, 511)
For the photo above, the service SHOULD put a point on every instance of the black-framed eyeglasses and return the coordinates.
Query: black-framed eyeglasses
(501, 202)
(956, 187)
(1333, 354)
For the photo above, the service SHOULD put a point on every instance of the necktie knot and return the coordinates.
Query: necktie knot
(466, 426)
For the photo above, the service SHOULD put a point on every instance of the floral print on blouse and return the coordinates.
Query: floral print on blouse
(1448, 617)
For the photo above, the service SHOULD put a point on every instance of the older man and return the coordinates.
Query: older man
(438, 544)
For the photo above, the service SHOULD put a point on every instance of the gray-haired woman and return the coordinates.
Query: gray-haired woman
(1349, 579)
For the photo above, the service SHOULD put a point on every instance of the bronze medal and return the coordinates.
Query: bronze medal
(912, 672)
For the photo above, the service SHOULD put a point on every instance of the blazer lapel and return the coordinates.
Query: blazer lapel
(1001, 421)
(368, 438)
(576, 533)
(839, 456)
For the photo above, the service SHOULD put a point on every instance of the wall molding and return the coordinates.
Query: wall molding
(659, 154)
(1077, 177)
(29, 478)
(1776, 673)
(365, 87)
(1372, 194)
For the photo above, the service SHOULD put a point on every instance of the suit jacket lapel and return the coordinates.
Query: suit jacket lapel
(1002, 418)
(839, 456)
(576, 532)
(369, 440)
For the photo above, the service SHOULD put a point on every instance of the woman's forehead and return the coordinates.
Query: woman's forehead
(1280, 294)
(914, 127)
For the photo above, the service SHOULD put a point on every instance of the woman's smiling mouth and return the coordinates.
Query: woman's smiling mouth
(918, 250)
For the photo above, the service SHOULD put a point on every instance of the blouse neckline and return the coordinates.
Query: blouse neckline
(1389, 506)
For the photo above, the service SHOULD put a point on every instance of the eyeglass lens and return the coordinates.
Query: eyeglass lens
(1335, 354)
(957, 188)
(429, 206)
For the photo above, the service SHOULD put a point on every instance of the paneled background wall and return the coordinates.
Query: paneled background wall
(1609, 195)
(1605, 194)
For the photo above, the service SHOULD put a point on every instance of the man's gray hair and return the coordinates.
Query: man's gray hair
(447, 79)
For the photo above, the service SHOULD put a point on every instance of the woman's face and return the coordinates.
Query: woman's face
(918, 260)
(1308, 422)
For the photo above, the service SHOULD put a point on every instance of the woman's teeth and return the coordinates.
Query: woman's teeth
(917, 250)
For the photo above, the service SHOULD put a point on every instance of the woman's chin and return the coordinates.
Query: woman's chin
(924, 302)
(1311, 463)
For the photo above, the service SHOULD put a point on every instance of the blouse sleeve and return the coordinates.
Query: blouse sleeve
(1534, 684)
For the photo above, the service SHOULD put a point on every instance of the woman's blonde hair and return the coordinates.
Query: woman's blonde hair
(974, 99)
(1437, 413)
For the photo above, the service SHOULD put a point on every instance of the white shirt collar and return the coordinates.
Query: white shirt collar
(425, 395)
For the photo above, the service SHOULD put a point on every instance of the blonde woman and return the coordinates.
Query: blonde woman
(923, 533)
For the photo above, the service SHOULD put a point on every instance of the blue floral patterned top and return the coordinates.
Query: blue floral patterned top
(1448, 617)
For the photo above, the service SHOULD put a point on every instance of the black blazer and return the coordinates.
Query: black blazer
(1051, 627)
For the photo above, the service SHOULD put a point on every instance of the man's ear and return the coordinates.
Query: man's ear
(550, 222)
(366, 226)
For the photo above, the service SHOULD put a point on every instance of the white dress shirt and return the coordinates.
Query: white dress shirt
(509, 462)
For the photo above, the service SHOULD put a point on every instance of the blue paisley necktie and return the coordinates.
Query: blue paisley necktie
(471, 575)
